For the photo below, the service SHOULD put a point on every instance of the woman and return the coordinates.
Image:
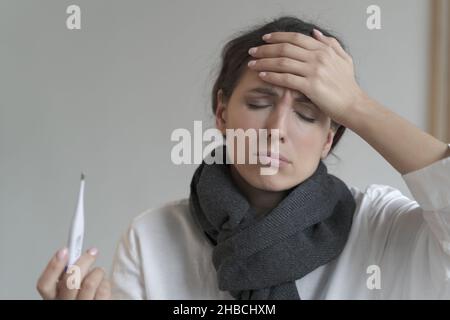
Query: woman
(300, 233)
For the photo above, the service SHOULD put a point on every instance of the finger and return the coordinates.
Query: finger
(47, 283)
(280, 65)
(84, 263)
(287, 50)
(103, 291)
(90, 284)
(332, 42)
(295, 38)
(286, 80)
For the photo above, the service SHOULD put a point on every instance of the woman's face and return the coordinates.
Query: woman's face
(301, 141)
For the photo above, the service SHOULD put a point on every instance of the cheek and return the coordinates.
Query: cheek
(307, 141)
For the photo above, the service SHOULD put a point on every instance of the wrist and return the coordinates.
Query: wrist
(356, 110)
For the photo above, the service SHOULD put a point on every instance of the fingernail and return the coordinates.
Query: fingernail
(318, 32)
(252, 50)
(61, 254)
(267, 36)
(251, 63)
(93, 251)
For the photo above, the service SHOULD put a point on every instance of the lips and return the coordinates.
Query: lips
(272, 157)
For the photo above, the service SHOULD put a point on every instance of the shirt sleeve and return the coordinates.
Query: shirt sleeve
(127, 282)
(409, 239)
(430, 187)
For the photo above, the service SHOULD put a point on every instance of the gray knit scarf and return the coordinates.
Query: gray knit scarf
(260, 258)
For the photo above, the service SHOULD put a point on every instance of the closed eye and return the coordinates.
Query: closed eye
(255, 106)
(305, 118)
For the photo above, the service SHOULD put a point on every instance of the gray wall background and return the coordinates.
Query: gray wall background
(105, 99)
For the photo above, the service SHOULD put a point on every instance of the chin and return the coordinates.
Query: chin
(281, 181)
(274, 183)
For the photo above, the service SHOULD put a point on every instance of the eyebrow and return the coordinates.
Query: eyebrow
(270, 91)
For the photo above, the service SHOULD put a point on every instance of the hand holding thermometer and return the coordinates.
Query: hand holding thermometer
(53, 284)
(75, 241)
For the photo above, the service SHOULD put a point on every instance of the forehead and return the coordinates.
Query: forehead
(250, 83)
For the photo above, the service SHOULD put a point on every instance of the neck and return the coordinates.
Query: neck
(262, 201)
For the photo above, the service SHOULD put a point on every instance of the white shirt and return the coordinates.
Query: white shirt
(397, 248)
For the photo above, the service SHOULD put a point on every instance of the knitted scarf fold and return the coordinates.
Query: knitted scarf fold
(261, 257)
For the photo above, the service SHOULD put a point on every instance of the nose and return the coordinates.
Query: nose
(278, 119)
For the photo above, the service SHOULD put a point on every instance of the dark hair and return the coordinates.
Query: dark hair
(235, 57)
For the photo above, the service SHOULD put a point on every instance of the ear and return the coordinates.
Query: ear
(221, 112)
(328, 143)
